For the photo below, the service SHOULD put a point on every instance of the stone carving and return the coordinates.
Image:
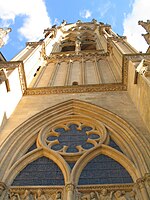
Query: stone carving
(93, 196)
(58, 196)
(144, 68)
(109, 193)
(70, 187)
(2, 189)
(97, 192)
(34, 44)
(27, 195)
(96, 196)
(3, 33)
(90, 196)
(104, 195)
(145, 25)
(36, 194)
(65, 57)
(147, 37)
(120, 195)
(79, 21)
(78, 45)
(14, 196)
(94, 21)
(76, 89)
(132, 195)
(40, 195)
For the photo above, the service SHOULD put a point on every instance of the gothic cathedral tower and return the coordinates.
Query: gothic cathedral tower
(75, 117)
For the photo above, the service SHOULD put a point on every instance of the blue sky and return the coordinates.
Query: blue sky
(29, 18)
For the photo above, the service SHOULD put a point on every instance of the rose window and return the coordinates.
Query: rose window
(71, 137)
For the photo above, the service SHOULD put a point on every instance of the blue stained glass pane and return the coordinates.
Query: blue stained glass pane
(51, 138)
(57, 147)
(104, 170)
(42, 171)
(87, 145)
(114, 145)
(73, 137)
(71, 164)
(94, 136)
(32, 148)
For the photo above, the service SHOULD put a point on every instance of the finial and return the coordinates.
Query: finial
(64, 22)
(79, 21)
(54, 26)
(3, 33)
(94, 21)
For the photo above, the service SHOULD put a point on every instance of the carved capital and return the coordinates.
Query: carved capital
(70, 187)
(147, 178)
(2, 188)
(141, 182)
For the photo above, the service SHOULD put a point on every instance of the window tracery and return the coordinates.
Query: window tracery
(73, 137)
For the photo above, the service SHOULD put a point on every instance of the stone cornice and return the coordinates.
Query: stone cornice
(76, 89)
(34, 44)
(126, 187)
(71, 55)
(9, 66)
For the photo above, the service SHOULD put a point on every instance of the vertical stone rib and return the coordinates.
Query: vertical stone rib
(82, 71)
(68, 73)
(54, 73)
(112, 72)
(99, 45)
(100, 72)
(98, 76)
(39, 77)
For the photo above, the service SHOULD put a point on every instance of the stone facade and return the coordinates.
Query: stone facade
(74, 114)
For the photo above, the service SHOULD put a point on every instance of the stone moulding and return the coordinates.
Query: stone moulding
(76, 89)
(9, 66)
(126, 187)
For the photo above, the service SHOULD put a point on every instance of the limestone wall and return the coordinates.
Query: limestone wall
(140, 94)
(116, 102)
(9, 99)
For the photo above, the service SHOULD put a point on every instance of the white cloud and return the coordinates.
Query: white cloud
(56, 21)
(85, 14)
(34, 15)
(133, 31)
(105, 8)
